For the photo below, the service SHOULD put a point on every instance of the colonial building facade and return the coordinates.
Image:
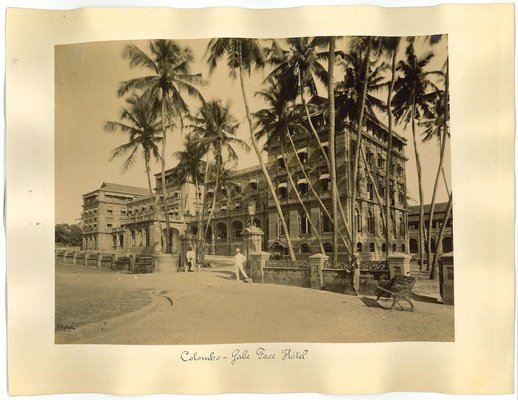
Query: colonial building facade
(121, 218)
(446, 244)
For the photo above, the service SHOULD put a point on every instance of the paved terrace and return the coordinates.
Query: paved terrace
(211, 307)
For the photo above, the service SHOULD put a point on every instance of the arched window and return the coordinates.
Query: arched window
(370, 222)
(114, 238)
(303, 223)
(358, 220)
(372, 248)
(304, 248)
(121, 240)
(193, 229)
(237, 229)
(140, 238)
(370, 191)
(148, 239)
(394, 227)
(359, 247)
(257, 222)
(383, 247)
(394, 247)
(413, 246)
(403, 248)
(221, 231)
(447, 245)
(133, 238)
(328, 247)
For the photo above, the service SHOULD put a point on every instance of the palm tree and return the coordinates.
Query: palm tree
(282, 118)
(332, 147)
(363, 45)
(191, 169)
(170, 77)
(391, 46)
(214, 129)
(437, 127)
(143, 128)
(242, 55)
(412, 101)
(300, 68)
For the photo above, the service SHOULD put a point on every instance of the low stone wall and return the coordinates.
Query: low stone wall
(340, 281)
(120, 262)
(312, 274)
(288, 276)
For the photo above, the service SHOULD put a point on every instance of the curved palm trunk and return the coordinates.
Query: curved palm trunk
(164, 190)
(263, 167)
(326, 158)
(389, 150)
(201, 214)
(420, 184)
(332, 148)
(358, 141)
(308, 215)
(312, 188)
(441, 233)
(216, 190)
(437, 177)
(312, 127)
(376, 193)
(153, 197)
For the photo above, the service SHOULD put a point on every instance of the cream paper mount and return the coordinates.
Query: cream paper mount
(479, 361)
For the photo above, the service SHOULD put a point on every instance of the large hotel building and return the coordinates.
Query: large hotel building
(118, 218)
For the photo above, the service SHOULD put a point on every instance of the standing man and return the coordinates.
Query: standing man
(189, 256)
(239, 261)
(355, 263)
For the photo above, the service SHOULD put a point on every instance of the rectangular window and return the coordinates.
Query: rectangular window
(325, 184)
(303, 224)
(110, 211)
(283, 192)
(327, 226)
(303, 188)
(370, 157)
(381, 189)
(303, 156)
(280, 162)
(381, 162)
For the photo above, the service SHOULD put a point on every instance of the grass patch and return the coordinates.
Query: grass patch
(81, 301)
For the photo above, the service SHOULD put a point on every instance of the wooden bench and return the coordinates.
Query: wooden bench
(399, 288)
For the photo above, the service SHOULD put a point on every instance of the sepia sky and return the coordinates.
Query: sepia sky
(87, 77)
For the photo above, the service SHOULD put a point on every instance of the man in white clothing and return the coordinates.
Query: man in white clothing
(190, 256)
(239, 261)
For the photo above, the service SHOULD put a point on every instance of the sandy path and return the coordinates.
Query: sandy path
(210, 307)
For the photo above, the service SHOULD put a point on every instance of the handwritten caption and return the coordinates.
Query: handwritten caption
(238, 356)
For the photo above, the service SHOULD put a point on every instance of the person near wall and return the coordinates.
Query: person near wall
(355, 263)
(239, 262)
(189, 256)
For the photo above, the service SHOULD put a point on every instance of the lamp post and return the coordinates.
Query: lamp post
(251, 211)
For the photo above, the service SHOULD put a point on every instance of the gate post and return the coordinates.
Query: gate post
(316, 263)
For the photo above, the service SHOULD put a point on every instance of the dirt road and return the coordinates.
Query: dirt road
(210, 306)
